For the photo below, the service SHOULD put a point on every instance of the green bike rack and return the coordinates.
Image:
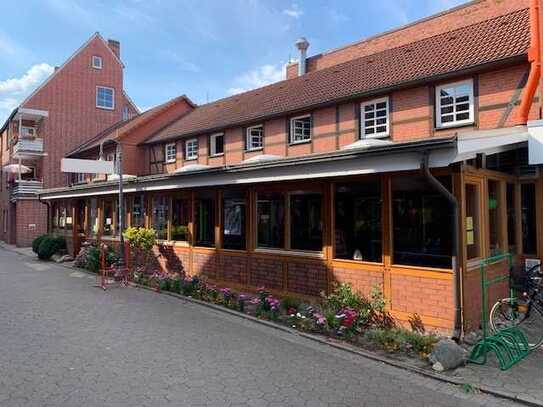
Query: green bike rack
(510, 344)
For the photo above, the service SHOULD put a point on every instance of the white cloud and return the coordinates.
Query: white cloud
(256, 78)
(14, 90)
(293, 11)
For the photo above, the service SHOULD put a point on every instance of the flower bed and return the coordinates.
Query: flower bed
(343, 314)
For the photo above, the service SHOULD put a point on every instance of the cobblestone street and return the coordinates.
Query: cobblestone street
(65, 343)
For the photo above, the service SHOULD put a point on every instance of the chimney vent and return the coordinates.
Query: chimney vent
(115, 47)
(302, 44)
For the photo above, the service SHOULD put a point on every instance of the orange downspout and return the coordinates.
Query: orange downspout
(534, 57)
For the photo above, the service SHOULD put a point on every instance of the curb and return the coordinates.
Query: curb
(324, 341)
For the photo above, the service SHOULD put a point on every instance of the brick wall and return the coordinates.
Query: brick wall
(31, 221)
(361, 280)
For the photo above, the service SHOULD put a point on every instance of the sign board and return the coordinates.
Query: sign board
(87, 166)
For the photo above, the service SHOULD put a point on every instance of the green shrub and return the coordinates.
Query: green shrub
(50, 245)
(343, 297)
(93, 259)
(36, 243)
(291, 303)
(401, 340)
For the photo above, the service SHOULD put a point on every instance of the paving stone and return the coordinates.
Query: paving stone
(64, 342)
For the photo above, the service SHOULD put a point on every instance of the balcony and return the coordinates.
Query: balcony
(24, 189)
(28, 147)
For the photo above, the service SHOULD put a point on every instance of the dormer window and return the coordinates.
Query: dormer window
(375, 118)
(96, 62)
(454, 104)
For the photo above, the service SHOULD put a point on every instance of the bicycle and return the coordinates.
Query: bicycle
(524, 312)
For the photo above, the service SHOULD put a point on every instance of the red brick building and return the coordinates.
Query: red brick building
(81, 98)
(400, 162)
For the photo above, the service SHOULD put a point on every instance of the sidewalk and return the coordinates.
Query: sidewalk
(522, 382)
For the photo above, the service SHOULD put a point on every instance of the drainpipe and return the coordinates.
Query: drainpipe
(457, 332)
(534, 56)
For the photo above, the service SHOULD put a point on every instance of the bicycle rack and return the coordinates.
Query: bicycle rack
(510, 344)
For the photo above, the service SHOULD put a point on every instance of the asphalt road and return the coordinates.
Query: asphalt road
(65, 343)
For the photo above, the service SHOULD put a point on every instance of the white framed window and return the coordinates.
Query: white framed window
(374, 115)
(80, 178)
(454, 104)
(27, 131)
(300, 129)
(170, 153)
(191, 149)
(255, 137)
(96, 62)
(105, 97)
(216, 144)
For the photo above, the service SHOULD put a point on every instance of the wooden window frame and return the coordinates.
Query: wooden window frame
(249, 138)
(168, 152)
(213, 145)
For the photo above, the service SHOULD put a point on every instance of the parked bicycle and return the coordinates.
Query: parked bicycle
(524, 311)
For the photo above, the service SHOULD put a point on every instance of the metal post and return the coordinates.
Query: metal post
(121, 263)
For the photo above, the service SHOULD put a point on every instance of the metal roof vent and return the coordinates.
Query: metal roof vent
(302, 44)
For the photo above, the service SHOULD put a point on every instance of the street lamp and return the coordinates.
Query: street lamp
(119, 166)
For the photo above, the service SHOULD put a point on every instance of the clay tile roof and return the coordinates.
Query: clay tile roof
(498, 39)
(122, 127)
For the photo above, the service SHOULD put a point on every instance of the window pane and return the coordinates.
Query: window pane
(80, 213)
(472, 221)
(529, 233)
(138, 211)
(93, 224)
(358, 221)
(160, 217)
(180, 219)
(422, 223)
(306, 221)
(205, 219)
(234, 220)
(270, 219)
(511, 219)
(493, 216)
(301, 129)
(107, 224)
(219, 144)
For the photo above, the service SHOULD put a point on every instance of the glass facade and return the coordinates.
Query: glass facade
(270, 210)
(234, 220)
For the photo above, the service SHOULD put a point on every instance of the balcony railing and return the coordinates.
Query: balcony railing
(25, 147)
(23, 189)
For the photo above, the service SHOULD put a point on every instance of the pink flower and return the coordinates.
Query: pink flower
(255, 301)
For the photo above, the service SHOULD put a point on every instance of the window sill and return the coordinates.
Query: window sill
(297, 143)
(216, 155)
(359, 262)
(283, 252)
(455, 125)
(170, 162)
(252, 150)
(191, 159)
(106, 108)
(374, 136)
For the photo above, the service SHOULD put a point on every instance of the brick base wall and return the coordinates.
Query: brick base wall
(30, 221)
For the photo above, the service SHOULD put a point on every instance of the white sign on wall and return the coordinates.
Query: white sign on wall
(87, 166)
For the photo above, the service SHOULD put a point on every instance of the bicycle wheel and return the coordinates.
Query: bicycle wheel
(510, 312)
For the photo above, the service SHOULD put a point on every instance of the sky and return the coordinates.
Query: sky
(206, 49)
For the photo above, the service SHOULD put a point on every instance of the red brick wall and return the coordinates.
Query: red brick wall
(28, 213)
(461, 17)
(70, 99)
(361, 280)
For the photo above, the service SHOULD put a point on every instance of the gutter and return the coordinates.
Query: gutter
(416, 146)
(457, 332)
(534, 57)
